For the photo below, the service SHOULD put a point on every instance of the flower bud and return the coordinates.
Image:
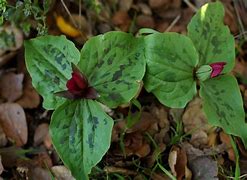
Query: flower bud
(204, 72)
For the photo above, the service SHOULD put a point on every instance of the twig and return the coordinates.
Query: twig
(192, 6)
(83, 35)
(240, 34)
(67, 10)
(239, 20)
(173, 23)
(80, 13)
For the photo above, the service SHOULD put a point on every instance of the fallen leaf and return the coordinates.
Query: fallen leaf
(226, 139)
(122, 20)
(146, 120)
(66, 28)
(3, 138)
(62, 173)
(135, 144)
(11, 86)
(41, 135)
(212, 139)
(125, 5)
(145, 9)
(39, 173)
(146, 21)
(241, 147)
(6, 57)
(11, 155)
(111, 169)
(178, 162)
(195, 122)
(158, 3)
(13, 121)
(30, 98)
(1, 166)
(43, 160)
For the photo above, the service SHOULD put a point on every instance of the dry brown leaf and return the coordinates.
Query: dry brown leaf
(30, 98)
(122, 20)
(195, 122)
(6, 57)
(111, 169)
(13, 121)
(226, 139)
(62, 173)
(177, 161)
(3, 138)
(1, 166)
(11, 86)
(241, 147)
(145, 9)
(212, 139)
(125, 5)
(39, 173)
(143, 151)
(145, 21)
(41, 135)
(143, 124)
(158, 3)
(42, 160)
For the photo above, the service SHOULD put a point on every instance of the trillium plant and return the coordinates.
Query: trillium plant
(109, 70)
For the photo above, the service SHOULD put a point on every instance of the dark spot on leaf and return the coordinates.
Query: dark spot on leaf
(63, 139)
(110, 61)
(95, 122)
(90, 141)
(228, 107)
(105, 122)
(119, 81)
(65, 126)
(95, 55)
(184, 88)
(48, 73)
(106, 74)
(171, 76)
(114, 96)
(117, 75)
(219, 99)
(100, 63)
(56, 80)
(107, 50)
(72, 132)
(105, 85)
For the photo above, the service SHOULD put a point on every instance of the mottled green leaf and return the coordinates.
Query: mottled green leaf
(81, 134)
(48, 60)
(211, 37)
(171, 59)
(114, 65)
(223, 105)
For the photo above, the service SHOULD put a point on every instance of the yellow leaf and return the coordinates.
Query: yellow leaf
(66, 28)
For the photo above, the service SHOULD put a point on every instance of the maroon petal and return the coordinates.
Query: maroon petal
(72, 85)
(65, 94)
(80, 80)
(91, 93)
(217, 68)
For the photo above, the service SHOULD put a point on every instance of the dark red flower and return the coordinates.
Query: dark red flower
(217, 68)
(78, 87)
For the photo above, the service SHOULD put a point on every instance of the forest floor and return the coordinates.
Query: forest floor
(165, 142)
